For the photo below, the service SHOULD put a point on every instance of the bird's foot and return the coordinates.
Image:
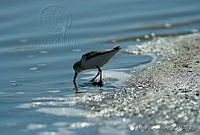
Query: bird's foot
(100, 83)
(94, 82)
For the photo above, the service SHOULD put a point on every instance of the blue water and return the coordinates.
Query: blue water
(40, 41)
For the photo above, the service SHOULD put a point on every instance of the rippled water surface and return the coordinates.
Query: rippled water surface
(40, 41)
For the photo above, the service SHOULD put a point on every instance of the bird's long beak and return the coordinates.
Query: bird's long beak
(75, 75)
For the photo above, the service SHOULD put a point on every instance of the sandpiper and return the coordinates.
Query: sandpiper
(94, 60)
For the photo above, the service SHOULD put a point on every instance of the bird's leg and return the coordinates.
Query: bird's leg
(95, 77)
(100, 83)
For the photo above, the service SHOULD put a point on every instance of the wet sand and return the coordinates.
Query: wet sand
(169, 94)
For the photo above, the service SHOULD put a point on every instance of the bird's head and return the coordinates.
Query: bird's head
(77, 67)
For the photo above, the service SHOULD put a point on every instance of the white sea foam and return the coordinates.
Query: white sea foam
(35, 126)
(68, 112)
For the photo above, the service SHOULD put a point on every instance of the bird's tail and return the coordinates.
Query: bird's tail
(117, 48)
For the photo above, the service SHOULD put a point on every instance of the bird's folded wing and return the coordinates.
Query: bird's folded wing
(92, 54)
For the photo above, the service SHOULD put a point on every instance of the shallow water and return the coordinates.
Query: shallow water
(40, 41)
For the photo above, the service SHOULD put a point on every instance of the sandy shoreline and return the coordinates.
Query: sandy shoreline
(170, 94)
(164, 96)
(178, 69)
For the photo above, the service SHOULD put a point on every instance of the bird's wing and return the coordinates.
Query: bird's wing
(91, 54)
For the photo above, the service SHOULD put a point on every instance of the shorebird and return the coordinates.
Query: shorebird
(94, 60)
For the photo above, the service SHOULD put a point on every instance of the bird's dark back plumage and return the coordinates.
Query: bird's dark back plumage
(91, 54)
